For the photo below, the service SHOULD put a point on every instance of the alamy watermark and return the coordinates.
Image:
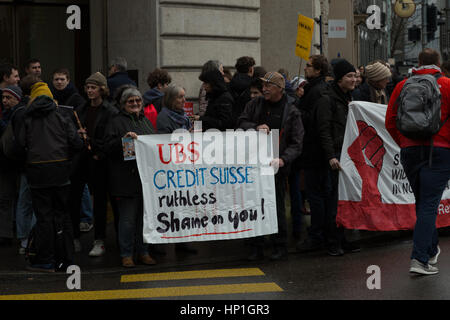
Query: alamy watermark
(214, 147)
(74, 20)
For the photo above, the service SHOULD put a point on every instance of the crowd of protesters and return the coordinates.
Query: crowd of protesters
(53, 160)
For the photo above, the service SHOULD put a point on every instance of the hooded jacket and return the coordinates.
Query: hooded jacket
(442, 138)
(154, 97)
(49, 141)
(219, 114)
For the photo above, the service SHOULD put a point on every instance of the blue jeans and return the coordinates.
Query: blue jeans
(86, 213)
(131, 224)
(428, 184)
(25, 217)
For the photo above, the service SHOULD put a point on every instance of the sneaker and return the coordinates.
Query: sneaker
(98, 250)
(77, 245)
(86, 226)
(23, 246)
(48, 268)
(335, 251)
(433, 260)
(420, 268)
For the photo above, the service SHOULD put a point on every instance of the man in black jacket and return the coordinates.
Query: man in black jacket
(276, 111)
(49, 139)
(329, 123)
(316, 70)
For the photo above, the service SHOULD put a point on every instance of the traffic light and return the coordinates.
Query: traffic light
(414, 34)
(432, 24)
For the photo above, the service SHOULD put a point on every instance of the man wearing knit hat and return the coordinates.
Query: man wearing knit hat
(378, 75)
(11, 100)
(331, 119)
(91, 168)
(11, 96)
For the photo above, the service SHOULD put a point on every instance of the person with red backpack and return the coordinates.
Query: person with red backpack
(425, 151)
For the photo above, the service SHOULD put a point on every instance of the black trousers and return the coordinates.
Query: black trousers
(8, 193)
(94, 173)
(50, 208)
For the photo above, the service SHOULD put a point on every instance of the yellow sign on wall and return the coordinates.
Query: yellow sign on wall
(304, 37)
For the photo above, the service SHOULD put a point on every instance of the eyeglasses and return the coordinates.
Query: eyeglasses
(132, 101)
(7, 97)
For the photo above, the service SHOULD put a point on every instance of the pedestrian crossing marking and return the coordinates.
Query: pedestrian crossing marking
(152, 292)
(197, 274)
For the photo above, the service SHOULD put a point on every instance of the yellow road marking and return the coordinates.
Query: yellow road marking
(198, 274)
(152, 293)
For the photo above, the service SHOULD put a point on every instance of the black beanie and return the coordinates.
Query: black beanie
(341, 68)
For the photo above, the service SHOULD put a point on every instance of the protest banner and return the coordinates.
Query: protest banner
(206, 186)
(374, 192)
(305, 33)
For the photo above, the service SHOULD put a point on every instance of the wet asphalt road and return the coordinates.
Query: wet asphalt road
(312, 276)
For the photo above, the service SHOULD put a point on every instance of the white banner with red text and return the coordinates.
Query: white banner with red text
(207, 186)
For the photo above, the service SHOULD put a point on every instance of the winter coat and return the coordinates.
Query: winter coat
(49, 140)
(442, 138)
(240, 90)
(291, 134)
(123, 176)
(219, 114)
(97, 138)
(117, 80)
(67, 97)
(154, 97)
(11, 115)
(331, 119)
(366, 92)
(314, 90)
